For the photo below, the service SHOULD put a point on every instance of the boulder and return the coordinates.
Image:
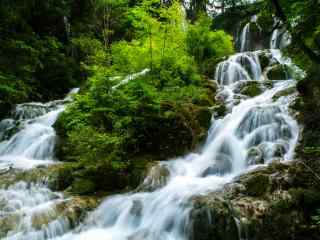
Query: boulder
(285, 92)
(252, 89)
(257, 185)
(157, 177)
(212, 218)
(255, 156)
(265, 57)
(278, 72)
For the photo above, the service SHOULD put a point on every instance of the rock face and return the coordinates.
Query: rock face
(211, 218)
(274, 202)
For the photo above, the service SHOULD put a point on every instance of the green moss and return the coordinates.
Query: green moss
(306, 198)
(253, 89)
(283, 205)
(83, 186)
(204, 116)
(257, 185)
(264, 59)
(278, 72)
(211, 218)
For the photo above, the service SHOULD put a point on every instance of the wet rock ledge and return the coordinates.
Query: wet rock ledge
(273, 202)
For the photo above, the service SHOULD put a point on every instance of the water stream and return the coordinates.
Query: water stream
(256, 130)
(27, 141)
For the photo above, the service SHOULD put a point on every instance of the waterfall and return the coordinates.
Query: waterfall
(129, 78)
(244, 38)
(257, 127)
(242, 66)
(256, 130)
(31, 211)
(34, 212)
(34, 140)
(280, 39)
(274, 39)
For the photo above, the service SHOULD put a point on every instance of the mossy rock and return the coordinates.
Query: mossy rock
(264, 59)
(211, 218)
(8, 223)
(252, 89)
(257, 185)
(212, 85)
(203, 116)
(219, 110)
(156, 177)
(51, 175)
(278, 72)
(139, 169)
(73, 210)
(307, 198)
(83, 186)
(284, 93)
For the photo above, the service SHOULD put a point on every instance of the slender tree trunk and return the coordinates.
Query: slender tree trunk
(279, 11)
(164, 43)
(151, 50)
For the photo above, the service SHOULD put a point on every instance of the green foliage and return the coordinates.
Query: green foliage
(34, 62)
(316, 218)
(113, 122)
(301, 19)
(315, 151)
(207, 46)
(48, 47)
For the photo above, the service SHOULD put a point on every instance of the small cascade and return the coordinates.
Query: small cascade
(240, 67)
(129, 78)
(29, 137)
(244, 40)
(30, 211)
(280, 39)
(67, 26)
(274, 39)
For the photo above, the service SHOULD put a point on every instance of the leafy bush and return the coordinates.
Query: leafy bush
(207, 46)
(122, 117)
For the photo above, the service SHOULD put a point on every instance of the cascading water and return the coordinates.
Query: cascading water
(258, 127)
(33, 142)
(30, 211)
(280, 37)
(245, 36)
(255, 131)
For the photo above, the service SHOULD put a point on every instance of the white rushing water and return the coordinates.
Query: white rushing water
(30, 211)
(256, 130)
(34, 139)
(280, 37)
(245, 37)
